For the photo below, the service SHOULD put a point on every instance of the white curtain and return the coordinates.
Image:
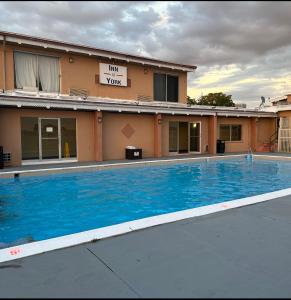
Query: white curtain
(48, 68)
(25, 70)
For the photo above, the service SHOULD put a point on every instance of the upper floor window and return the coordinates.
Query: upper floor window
(230, 133)
(166, 87)
(36, 72)
(284, 122)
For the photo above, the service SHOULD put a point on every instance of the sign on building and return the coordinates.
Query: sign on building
(113, 74)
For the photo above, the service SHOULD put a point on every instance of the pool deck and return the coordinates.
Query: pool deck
(242, 252)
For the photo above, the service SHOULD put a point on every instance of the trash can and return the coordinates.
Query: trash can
(133, 153)
(1, 158)
(220, 146)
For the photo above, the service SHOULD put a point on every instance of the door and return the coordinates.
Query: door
(49, 138)
(183, 137)
(194, 137)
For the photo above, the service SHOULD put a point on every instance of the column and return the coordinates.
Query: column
(158, 135)
(212, 134)
(253, 136)
(98, 135)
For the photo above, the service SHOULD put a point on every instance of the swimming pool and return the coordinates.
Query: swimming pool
(41, 207)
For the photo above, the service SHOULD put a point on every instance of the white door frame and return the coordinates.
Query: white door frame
(195, 152)
(189, 152)
(40, 138)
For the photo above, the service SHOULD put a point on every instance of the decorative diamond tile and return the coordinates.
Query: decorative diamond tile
(128, 131)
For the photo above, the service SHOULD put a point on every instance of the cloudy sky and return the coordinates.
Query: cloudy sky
(240, 48)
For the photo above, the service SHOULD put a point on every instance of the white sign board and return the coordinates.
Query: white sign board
(113, 74)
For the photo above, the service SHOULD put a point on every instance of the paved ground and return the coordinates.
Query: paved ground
(244, 252)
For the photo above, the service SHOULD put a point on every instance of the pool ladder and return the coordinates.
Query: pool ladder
(250, 154)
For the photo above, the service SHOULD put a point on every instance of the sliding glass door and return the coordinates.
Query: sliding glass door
(194, 137)
(48, 138)
(184, 137)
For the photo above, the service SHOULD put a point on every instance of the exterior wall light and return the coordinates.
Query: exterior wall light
(159, 121)
(99, 119)
(71, 60)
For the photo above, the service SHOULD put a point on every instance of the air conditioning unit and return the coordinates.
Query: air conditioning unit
(144, 98)
(30, 89)
(79, 92)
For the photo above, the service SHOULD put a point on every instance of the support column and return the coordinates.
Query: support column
(254, 133)
(158, 135)
(212, 134)
(98, 135)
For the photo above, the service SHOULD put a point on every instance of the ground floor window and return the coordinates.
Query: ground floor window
(230, 133)
(184, 137)
(48, 138)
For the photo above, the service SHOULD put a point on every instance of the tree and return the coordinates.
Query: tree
(191, 101)
(216, 99)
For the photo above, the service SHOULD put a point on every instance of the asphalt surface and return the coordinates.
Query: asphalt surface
(243, 252)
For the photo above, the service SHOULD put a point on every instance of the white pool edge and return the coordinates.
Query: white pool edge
(34, 248)
(119, 164)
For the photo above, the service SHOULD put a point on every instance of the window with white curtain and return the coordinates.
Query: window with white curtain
(36, 72)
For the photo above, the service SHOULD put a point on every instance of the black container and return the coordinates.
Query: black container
(133, 153)
(220, 146)
(1, 158)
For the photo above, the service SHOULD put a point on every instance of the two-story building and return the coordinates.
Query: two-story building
(63, 102)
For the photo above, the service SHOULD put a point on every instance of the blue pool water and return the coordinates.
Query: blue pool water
(42, 207)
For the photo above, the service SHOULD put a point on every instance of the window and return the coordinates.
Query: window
(36, 72)
(230, 133)
(160, 87)
(29, 138)
(284, 122)
(166, 87)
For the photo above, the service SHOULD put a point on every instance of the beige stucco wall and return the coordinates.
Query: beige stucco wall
(10, 131)
(81, 74)
(266, 130)
(115, 141)
(165, 131)
(284, 113)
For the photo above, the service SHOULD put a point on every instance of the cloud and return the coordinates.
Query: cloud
(242, 48)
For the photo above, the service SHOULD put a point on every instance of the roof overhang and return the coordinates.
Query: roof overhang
(129, 106)
(90, 51)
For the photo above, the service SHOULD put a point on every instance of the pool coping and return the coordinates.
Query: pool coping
(45, 171)
(29, 249)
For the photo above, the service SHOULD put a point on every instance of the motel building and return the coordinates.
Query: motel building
(61, 102)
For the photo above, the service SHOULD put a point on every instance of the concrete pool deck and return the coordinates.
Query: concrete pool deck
(242, 252)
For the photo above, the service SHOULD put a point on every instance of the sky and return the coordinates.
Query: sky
(242, 48)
